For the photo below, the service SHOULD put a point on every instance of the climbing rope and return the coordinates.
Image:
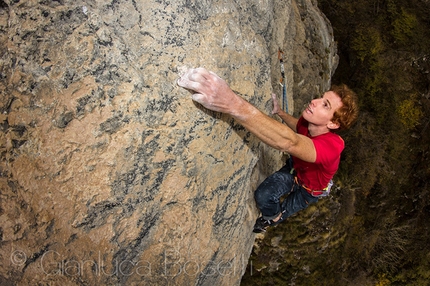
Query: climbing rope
(283, 81)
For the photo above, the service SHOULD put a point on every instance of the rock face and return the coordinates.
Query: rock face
(109, 173)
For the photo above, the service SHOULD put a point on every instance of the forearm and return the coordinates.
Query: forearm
(267, 129)
(289, 120)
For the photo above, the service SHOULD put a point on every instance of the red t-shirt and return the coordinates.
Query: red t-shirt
(328, 146)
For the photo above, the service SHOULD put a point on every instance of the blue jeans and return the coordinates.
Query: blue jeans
(269, 193)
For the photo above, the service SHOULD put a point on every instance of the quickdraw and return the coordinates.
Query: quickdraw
(283, 81)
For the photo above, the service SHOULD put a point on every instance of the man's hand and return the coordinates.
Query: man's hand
(276, 107)
(211, 91)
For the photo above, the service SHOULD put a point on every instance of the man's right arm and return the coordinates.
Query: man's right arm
(213, 93)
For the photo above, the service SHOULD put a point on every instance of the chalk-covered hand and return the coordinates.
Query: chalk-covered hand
(276, 109)
(210, 90)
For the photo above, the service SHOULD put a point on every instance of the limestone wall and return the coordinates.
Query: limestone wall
(109, 173)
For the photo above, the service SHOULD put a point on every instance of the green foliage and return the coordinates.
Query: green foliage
(367, 43)
(409, 113)
(403, 23)
(383, 280)
(404, 26)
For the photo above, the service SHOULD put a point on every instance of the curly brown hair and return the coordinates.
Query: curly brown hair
(346, 115)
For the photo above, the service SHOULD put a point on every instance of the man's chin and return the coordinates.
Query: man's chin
(306, 115)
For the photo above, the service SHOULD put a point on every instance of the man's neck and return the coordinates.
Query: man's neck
(315, 130)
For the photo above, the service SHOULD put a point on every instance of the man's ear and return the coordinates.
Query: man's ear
(333, 125)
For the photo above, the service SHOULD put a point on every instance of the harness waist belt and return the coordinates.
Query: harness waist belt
(315, 193)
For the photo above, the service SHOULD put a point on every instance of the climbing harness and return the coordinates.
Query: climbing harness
(315, 193)
(283, 81)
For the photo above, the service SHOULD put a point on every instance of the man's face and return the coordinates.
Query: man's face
(320, 111)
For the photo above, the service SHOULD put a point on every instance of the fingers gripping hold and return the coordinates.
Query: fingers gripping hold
(186, 81)
(275, 102)
(198, 97)
(209, 89)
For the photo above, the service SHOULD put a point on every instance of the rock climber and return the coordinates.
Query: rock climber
(310, 141)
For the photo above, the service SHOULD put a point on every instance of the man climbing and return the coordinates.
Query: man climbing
(314, 148)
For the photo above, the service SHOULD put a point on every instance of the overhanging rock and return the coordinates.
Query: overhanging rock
(109, 173)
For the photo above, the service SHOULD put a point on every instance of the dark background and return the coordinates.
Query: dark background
(375, 228)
